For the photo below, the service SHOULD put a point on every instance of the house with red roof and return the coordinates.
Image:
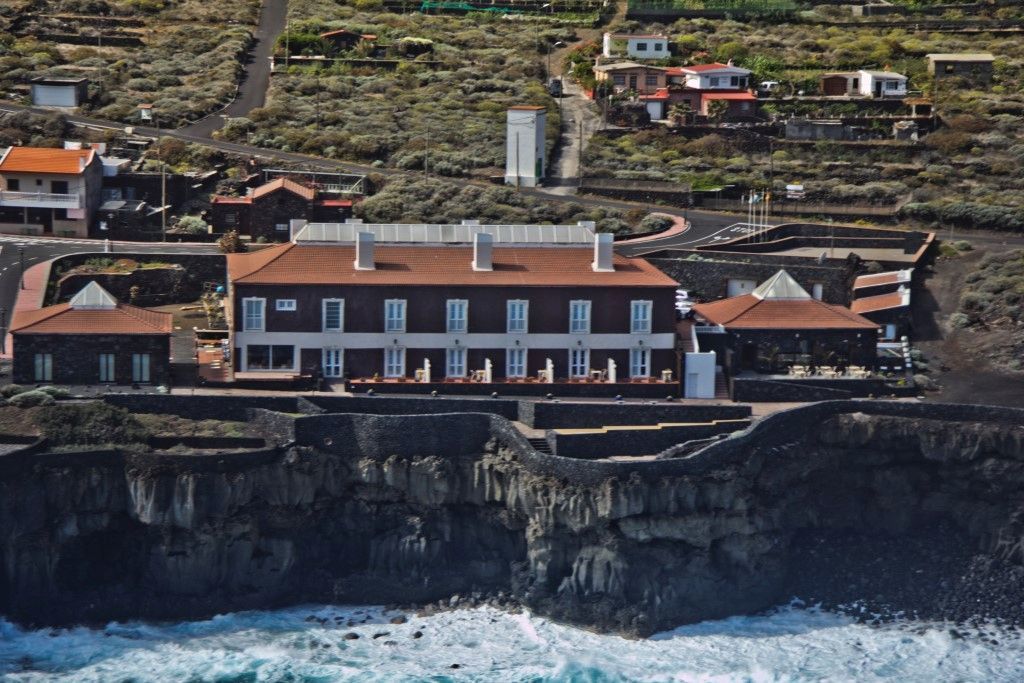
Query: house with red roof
(780, 325)
(49, 191)
(456, 304)
(267, 210)
(91, 339)
(695, 86)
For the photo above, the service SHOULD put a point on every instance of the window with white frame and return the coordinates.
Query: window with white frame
(640, 317)
(44, 367)
(281, 227)
(455, 365)
(650, 80)
(579, 362)
(252, 313)
(106, 367)
(518, 310)
(269, 357)
(713, 81)
(640, 362)
(618, 79)
(333, 315)
(285, 304)
(892, 85)
(394, 315)
(140, 367)
(458, 315)
(333, 362)
(515, 362)
(579, 317)
(394, 361)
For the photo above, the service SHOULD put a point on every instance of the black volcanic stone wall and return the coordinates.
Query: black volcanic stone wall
(395, 405)
(551, 415)
(76, 357)
(618, 442)
(202, 407)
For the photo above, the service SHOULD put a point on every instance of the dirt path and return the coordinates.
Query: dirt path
(959, 356)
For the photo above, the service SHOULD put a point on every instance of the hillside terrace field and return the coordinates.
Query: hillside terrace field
(444, 108)
(181, 56)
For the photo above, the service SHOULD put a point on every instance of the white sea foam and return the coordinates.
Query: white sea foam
(489, 645)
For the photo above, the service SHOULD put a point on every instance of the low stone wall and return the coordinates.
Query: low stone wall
(565, 390)
(202, 407)
(156, 284)
(551, 415)
(811, 389)
(395, 405)
(626, 442)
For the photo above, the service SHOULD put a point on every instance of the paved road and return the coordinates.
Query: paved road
(580, 119)
(252, 90)
(39, 249)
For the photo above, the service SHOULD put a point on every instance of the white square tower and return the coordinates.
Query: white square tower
(525, 161)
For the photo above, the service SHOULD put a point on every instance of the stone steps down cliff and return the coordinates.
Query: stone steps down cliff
(368, 508)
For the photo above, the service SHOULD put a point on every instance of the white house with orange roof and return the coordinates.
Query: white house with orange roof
(48, 191)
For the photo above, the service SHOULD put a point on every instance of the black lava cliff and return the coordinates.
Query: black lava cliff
(915, 507)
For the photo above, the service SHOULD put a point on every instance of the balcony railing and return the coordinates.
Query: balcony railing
(42, 200)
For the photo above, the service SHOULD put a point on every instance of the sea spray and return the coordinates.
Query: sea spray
(486, 644)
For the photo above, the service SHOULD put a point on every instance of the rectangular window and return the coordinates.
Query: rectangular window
(651, 80)
(394, 315)
(579, 362)
(140, 367)
(658, 47)
(714, 81)
(517, 315)
(455, 366)
(734, 81)
(13, 184)
(891, 85)
(458, 314)
(619, 79)
(106, 367)
(640, 362)
(281, 227)
(252, 313)
(59, 186)
(394, 361)
(332, 362)
(515, 362)
(285, 304)
(950, 68)
(640, 317)
(641, 47)
(579, 317)
(265, 357)
(334, 315)
(230, 218)
(44, 367)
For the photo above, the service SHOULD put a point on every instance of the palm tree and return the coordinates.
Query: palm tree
(716, 110)
(679, 113)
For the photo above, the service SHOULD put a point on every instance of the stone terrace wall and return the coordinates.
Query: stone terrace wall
(393, 405)
(551, 415)
(616, 442)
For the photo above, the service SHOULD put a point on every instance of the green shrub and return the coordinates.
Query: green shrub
(959, 321)
(31, 399)
(92, 423)
(963, 245)
(56, 392)
(13, 390)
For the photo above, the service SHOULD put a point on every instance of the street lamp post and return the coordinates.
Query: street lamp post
(148, 113)
(21, 260)
(3, 329)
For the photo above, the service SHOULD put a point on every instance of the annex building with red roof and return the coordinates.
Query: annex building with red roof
(91, 339)
(49, 191)
(780, 324)
(267, 210)
(457, 303)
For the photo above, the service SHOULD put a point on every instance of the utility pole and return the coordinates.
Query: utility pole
(579, 159)
(3, 330)
(287, 40)
(517, 161)
(163, 181)
(426, 153)
(21, 260)
(318, 98)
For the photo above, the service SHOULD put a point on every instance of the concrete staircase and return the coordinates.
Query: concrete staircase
(540, 445)
(721, 386)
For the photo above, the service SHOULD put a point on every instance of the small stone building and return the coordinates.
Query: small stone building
(267, 211)
(92, 339)
(975, 67)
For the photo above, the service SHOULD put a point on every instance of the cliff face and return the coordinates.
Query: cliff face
(395, 509)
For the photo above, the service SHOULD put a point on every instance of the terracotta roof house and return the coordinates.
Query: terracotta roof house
(343, 39)
(630, 77)
(469, 303)
(267, 210)
(49, 191)
(699, 85)
(780, 322)
(885, 298)
(636, 45)
(91, 339)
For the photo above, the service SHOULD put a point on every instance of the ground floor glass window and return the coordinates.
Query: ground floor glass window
(332, 362)
(579, 362)
(140, 367)
(515, 365)
(106, 367)
(456, 365)
(44, 367)
(394, 361)
(267, 357)
(640, 362)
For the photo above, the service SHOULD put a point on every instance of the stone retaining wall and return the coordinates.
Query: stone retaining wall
(631, 442)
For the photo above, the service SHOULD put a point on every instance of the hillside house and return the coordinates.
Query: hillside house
(976, 67)
(45, 191)
(863, 83)
(266, 211)
(630, 77)
(714, 76)
(59, 92)
(635, 46)
(342, 40)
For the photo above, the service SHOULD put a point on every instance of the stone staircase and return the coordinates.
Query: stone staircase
(540, 445)
(721, 386)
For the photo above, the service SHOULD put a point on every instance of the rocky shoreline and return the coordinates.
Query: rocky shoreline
(901, 508)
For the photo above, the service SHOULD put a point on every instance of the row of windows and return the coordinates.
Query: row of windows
(456, 318)
(274, 357)
(642, 47)
(43, 367)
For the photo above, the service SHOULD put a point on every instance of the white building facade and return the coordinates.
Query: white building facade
(525, 150)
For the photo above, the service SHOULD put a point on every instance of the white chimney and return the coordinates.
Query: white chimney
(364, 251)
(603, 253)
(483, 245)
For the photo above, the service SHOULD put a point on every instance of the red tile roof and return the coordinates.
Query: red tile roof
(63, 319)
(306, 193)
(697, 68)
(881, 302)
(335, 202)
(749, 312)
(892, 278)
(46, 160)
(747, 96)
(432, 265)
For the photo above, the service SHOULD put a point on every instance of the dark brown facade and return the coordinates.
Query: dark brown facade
(548, 314)
(268, 216)
(75, 358)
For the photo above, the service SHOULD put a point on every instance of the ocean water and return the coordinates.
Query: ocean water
(308, 644)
